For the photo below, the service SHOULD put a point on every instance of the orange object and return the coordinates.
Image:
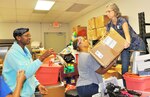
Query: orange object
(48, 75)
(77, 55)
(135, 82)
(70, 87)
(46, 60)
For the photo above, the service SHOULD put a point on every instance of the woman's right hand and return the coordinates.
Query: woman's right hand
(21, 76)
(47, 54)
(126, 45)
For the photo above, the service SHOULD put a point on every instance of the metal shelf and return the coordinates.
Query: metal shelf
(142, 28)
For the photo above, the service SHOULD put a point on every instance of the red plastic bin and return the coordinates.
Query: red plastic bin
(135, 82)
(48, 75)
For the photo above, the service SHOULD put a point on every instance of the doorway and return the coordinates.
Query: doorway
(55, 40)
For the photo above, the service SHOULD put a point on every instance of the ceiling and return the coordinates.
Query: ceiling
(64, 11)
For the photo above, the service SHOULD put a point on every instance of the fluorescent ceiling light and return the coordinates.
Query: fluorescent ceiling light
(44, 5)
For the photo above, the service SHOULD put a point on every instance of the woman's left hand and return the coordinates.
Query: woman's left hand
(126, 45)
(42, 89)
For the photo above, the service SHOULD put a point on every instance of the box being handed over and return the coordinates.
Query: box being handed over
(109, 47)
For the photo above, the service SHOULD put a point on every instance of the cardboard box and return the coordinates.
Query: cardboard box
(92, 34)
(108, 48)
(112, 73)
(91, 23)
(101, 21)
(56, 91)
(101, 32)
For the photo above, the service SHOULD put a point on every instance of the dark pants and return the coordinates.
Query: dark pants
(125, 58)
(88, 90)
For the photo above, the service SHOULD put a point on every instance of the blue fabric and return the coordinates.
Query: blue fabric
(87, 83)
(21, 59)
(125, 60)
(87, 90)
(87, 66)
(4, 89)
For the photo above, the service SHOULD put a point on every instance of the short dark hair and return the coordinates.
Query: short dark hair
(75, 44)
(20, 32)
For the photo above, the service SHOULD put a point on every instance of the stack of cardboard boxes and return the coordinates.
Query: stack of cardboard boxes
(97, 27)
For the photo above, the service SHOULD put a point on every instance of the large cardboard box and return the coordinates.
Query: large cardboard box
(108, 48)
(101, 32)
(91, 23)
(101, 21)
(96, 34)
(92, 34)
(56, 91)
(112, 73)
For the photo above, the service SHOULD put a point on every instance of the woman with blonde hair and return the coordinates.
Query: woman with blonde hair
(122, 26)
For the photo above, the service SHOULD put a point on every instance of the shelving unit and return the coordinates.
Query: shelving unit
(142, 28)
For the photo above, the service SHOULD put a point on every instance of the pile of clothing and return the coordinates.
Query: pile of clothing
(116, 91)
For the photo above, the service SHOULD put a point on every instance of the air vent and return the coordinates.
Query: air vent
(76, 7)
(40, 11)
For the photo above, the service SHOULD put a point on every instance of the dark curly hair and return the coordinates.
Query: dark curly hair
(75, 45)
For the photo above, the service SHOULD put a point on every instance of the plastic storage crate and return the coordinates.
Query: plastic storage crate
(48, 75)
(135, 82)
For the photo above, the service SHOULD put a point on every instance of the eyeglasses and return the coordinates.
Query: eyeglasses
(108, 11)
(28, 36)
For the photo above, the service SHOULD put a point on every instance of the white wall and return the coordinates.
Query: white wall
(36, 29)
(131, 8)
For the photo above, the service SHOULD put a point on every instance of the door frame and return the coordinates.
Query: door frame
(54, 32)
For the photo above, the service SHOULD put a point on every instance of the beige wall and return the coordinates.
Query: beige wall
(131, 8)
(36, 29)
(6, 30)
(63, 28)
